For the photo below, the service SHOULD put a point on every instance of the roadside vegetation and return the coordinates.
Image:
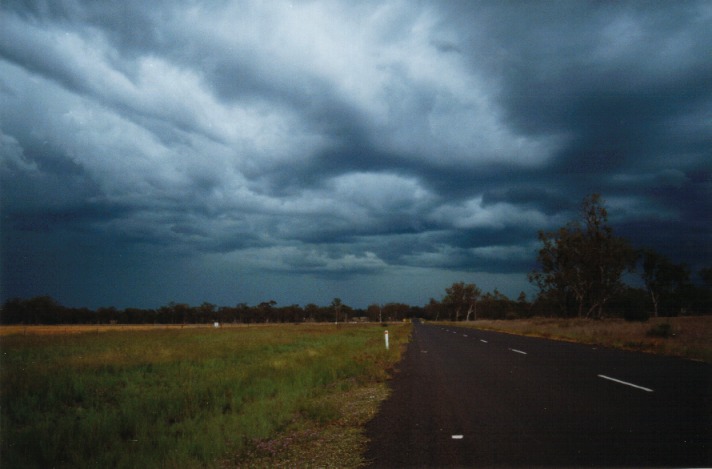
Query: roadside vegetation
(686, 337)
(257, 396)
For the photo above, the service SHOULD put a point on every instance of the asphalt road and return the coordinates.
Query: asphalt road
(468, 398)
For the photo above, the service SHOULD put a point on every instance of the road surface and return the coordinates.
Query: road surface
(469, 398)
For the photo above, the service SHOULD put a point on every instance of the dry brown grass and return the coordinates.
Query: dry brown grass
(691, 337)
(340, 442)
(89, 328)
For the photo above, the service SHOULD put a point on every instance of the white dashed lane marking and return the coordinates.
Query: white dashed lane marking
(625, 383)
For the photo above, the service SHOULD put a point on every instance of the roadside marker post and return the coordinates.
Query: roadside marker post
(385, 334)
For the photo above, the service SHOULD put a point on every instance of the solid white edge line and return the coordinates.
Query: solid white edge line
(626, 383)
(518, 351)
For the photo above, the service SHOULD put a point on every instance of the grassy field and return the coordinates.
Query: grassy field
(687, 337)
(90, 328)
(282, 395)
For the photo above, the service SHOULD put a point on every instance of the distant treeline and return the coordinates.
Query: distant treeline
(46, 310)
(631, 304)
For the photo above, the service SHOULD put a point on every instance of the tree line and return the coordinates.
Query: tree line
(46, 310)
(580, 273)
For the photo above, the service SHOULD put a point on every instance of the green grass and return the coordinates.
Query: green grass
(179, 398)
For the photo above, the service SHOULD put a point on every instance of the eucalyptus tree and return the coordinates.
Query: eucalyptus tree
(663, 279)
(336, 304)
(583, 260)
(460, 297)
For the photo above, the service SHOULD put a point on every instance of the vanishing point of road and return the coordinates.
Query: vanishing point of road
(471, 398)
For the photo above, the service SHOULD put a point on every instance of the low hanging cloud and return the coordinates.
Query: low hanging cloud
(306, 144)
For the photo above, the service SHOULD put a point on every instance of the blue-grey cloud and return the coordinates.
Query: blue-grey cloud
(236, 150)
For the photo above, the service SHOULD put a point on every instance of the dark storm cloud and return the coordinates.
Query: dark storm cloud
(304, 144)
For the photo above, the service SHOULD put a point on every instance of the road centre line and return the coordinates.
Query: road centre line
(626, 383)
(517, 351)
(457, 437)
(484, 341)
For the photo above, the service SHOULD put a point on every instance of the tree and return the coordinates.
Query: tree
(395, 311)
(706, 276)
(265, 310)
(336, 304)
(206, 312)
(583, 261)
(495, 305)
(523, 306)
(375, 312)
(37, 310)
(663, 279)
(704, 304)
(311, 311)
(460, 296)
(432, 309)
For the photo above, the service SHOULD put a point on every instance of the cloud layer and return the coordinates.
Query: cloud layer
(234, 151)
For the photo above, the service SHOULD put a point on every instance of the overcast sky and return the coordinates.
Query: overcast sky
(242, 151)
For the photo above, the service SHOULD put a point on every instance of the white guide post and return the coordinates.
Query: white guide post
(386, 336)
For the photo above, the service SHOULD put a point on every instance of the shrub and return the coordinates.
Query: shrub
(661, 330)
(636, 315)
